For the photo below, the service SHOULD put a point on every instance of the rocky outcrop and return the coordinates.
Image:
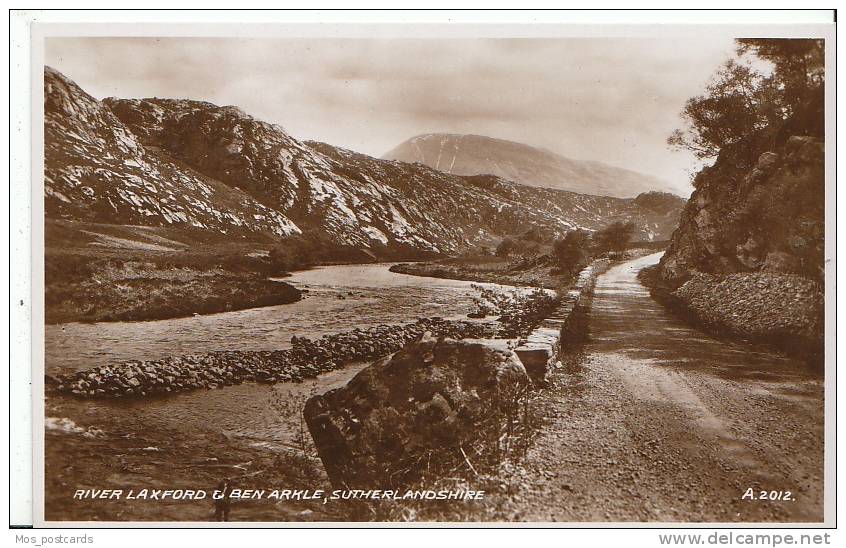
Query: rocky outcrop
(96, 169)
(769, 218)
(410, 411)
(747, 258)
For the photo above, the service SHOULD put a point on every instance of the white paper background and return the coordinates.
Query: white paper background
(22, 208)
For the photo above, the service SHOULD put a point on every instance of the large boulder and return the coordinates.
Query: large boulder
(405, 412)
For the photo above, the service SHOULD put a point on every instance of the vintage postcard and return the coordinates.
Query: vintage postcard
(432, 274)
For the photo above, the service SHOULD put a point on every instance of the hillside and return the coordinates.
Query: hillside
(192, 164)
(747, 258)
(477, 155)
(655, 214)
(769, 218)
(95, 169)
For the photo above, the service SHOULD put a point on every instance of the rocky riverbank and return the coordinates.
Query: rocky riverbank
(537, 272)
(306, 359)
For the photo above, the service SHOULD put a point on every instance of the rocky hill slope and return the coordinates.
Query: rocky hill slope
(476, 155)
(96, 169)
(182, 163)
(748, 256)
(767, 219)
(655, 214)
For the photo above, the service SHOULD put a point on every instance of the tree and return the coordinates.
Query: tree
(799, 64)
(736, 105)
(743, 108)
(614, 237)
(506, 247)
(570, 251)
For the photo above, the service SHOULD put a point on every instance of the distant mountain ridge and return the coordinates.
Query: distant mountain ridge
(184, 163)
(521, 163)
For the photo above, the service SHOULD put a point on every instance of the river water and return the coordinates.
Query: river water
(339, 298)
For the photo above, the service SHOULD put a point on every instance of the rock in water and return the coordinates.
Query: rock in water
(381, 429)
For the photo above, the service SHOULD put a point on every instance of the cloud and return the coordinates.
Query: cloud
(611, 100)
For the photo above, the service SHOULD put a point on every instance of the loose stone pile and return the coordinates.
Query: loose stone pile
(307, 358)
(756, 305)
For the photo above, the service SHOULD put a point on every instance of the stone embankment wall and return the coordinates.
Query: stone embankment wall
(564, 329)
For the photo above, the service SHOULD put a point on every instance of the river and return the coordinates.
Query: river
(338, 298)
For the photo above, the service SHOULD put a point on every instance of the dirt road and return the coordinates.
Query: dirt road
(660, 422)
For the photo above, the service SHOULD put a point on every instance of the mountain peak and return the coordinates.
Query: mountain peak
(533, 166)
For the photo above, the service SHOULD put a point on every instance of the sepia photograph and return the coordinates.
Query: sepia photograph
(422, 274)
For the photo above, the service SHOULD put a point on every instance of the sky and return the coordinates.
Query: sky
(613, 100)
